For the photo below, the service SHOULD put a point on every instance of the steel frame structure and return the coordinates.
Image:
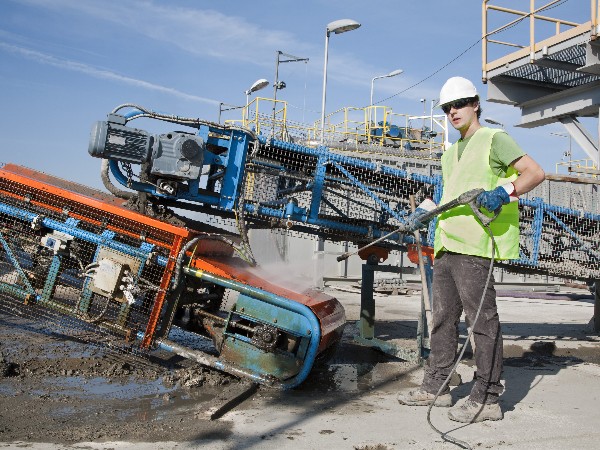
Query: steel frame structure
(552, 80)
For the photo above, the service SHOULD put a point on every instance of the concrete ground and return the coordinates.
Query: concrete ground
(552, 373)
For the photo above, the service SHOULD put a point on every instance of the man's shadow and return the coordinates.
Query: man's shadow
(522, 373)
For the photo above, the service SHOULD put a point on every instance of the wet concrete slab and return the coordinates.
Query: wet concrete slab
(551, 377)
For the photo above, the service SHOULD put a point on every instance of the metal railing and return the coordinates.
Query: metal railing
(378, 125)
(582, 167)
(373, 126)
(534, 16)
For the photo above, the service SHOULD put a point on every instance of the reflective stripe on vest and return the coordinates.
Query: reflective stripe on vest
(458, 230)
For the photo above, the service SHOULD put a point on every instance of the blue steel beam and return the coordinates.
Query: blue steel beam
(15, 262)
(67, 227)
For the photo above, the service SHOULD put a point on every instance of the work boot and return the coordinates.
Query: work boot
(470, 412)
(419, 397)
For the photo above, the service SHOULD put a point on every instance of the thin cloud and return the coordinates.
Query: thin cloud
(95, 72)
(208, 33)
(200, 32)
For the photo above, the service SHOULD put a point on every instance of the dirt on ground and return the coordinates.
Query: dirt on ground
(54, 388)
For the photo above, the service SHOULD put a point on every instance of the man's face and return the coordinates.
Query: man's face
(462, 114)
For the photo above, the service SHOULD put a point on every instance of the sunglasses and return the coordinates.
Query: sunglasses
(457, 104)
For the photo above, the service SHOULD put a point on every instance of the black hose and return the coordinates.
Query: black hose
(240, 222)
(99, 318)
(186, 121)
(110, 186)
(443, 435)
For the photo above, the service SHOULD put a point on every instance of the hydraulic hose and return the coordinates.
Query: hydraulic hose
(140, 111)
(110, 186)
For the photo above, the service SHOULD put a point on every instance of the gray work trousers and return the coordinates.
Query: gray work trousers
(458, 282)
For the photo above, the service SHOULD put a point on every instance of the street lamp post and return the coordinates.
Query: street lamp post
(256, 86)
(336, 27)
(393, 73)
(278, 85)
(423, 100)
(568, 153)
(389, 75)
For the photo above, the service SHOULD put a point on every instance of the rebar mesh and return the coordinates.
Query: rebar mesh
(361, 192)
(76, 259)
(82, 264)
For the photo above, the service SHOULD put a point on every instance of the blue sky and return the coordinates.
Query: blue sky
(66, 63)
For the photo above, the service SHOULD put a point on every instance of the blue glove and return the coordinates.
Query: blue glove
(493, 200)
(414, 222)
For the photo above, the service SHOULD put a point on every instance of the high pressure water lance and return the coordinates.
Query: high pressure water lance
(465, 198)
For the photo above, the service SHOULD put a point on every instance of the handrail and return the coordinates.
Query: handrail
(533, 16)
(595, 18)
(585, 167)
(374, 125)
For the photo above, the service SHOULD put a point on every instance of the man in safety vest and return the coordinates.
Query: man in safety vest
(482, 158)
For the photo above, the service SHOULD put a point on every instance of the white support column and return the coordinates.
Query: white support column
(319, 264)
(582, 137)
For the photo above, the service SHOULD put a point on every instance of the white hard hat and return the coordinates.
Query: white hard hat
(456, 88)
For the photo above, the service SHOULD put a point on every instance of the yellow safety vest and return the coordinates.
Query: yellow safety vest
(458, 230)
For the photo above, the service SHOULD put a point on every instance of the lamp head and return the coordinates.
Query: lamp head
(342, 25)
(257, 86)
(395, 72)
(493, 122)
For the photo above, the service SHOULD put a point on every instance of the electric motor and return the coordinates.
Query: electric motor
(176, 155)
(112, 139)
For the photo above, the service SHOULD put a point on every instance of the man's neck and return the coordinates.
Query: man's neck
(470, 131)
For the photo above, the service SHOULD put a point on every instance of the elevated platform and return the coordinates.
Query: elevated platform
(561, 63)
(555, 79)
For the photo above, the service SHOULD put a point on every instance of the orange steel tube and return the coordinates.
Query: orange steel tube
(92, 203)
(595, 12)
(531, 31)
(484, 41)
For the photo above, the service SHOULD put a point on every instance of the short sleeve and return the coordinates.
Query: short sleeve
(503, 152)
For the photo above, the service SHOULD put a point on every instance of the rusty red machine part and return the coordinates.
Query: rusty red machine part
(80, 258)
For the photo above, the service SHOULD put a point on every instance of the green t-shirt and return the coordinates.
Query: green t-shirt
(504, 151)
